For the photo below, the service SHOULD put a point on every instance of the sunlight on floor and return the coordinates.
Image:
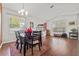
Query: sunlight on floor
(59, 45)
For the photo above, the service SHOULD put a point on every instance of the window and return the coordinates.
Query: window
(17, 23)
(14, 22)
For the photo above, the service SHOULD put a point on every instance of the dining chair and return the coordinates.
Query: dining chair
(17, 34)
(36, 33)
(33, 40)
(20, 39)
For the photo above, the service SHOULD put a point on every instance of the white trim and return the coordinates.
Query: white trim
(9, 41)
(6, 42)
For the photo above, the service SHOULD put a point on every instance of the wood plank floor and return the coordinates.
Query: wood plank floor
(57, 47)
(63, 47)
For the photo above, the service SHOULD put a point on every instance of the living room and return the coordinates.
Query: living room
(59, 23)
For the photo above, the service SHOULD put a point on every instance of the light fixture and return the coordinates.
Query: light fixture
(52, 6)
(23, 11)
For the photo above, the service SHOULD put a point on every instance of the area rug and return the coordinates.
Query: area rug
(15, 52)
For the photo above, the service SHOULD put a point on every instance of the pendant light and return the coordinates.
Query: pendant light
(22, 11)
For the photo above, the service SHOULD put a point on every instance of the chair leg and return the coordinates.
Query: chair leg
(24, 49)
(41, 42)
(27, 46)
(17, 45)
(20, 48)
(32, 49)
(39, 47)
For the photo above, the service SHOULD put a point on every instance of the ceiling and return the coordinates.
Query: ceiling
(43, 10)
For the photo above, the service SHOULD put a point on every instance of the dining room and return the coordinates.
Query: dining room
(39, 29)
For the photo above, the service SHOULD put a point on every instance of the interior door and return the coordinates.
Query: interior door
(0, 24)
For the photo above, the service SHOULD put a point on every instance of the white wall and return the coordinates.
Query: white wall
(70, 19)
(5, 23)
(78, 24)
(0, 26)
(39, 13)
(34, 19)
(8, 35)
(66, 18)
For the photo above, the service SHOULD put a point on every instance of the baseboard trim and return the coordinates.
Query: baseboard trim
(6, 43)
(9, 42)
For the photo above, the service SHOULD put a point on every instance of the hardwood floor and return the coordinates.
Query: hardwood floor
(57, 47)
(63, 47)
(5, 50)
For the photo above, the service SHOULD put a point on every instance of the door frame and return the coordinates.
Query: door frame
(1, 23)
